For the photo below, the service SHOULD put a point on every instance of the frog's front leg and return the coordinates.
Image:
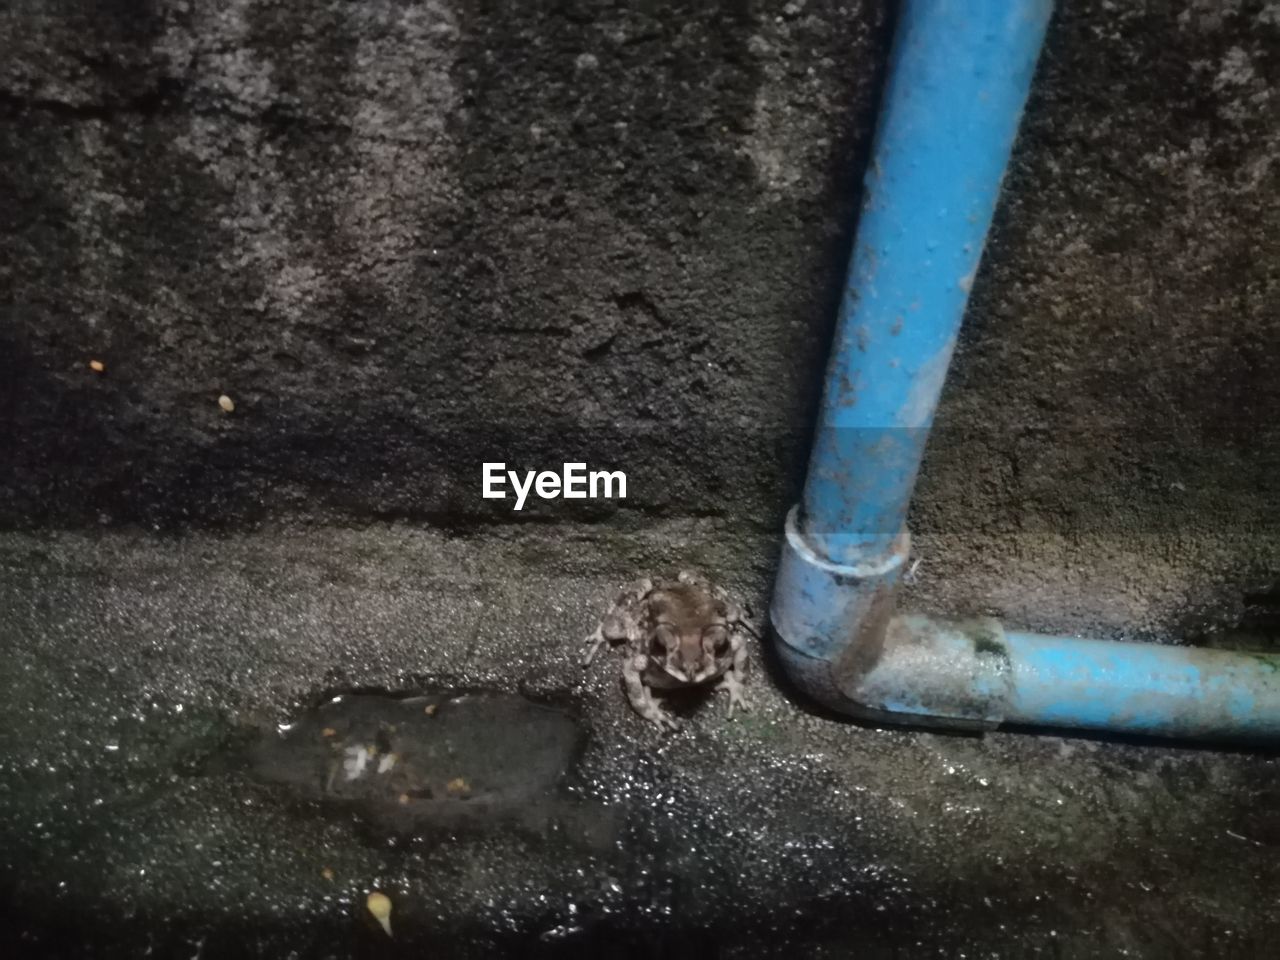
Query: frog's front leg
(734, 679)
(640, 697)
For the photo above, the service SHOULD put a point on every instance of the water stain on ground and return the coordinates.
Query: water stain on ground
(435, 762)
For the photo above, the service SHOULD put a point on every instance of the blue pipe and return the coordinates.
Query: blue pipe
(975, 675)
(959, 75)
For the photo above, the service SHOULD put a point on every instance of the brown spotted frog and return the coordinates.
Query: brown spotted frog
(678, 634)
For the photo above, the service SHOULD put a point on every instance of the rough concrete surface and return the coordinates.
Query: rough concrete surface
(408, 237)
(405, 238)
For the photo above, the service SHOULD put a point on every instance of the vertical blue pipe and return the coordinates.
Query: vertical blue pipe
(959, 74)
(958, 78)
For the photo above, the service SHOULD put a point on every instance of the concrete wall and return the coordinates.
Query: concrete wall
(409, 237)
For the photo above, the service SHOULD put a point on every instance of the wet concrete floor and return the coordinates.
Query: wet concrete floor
(176, 776)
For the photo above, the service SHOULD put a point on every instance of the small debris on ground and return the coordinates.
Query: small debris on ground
(458, 787)
(379, 905)
(97, 366)
(227, 404)
(355, 762)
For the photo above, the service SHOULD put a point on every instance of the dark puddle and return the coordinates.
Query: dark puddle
(442, 761)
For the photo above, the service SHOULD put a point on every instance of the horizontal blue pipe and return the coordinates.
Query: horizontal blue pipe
(1142, 688)
(975, 674)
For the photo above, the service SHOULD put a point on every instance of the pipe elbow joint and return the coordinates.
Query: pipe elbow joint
(842, 644)
(831, 618)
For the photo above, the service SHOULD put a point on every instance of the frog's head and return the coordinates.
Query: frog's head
(690, 633)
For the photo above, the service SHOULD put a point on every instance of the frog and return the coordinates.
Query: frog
(677, 634)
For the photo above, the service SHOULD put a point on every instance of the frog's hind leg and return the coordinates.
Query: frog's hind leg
(641, 698)
(738, 616)
(616, 627)
(734, 679)
(619, 623)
